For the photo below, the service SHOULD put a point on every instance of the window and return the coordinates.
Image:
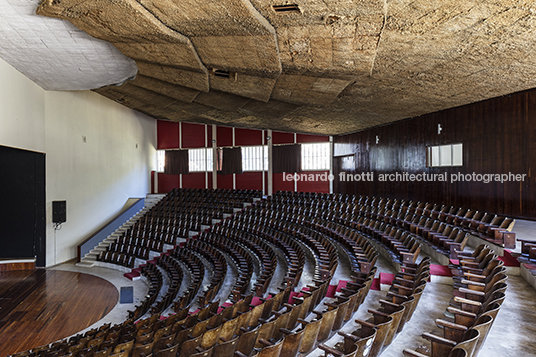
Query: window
(255, 158)
(200, 160)
(444, 155)
(315, 156)
(160, 160)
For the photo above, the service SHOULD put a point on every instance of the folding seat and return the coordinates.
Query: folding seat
(292, 340)
(247, 339)
(145, 348)
(454, 244)
(443, 232)
(382, 323)
(396, 311)
(471, 220)
(169, 351)
(226, 348)
(474, 224)
(410, 255)
(124, 347)
(346, 350)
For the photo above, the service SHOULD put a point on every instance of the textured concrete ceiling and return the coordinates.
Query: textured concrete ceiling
(54, 53)
(323, 66)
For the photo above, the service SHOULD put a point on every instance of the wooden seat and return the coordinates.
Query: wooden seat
(441, 347)
(292, 341)
(310, 336)
(145, 349)
(382, 323)
(270, 349)
(170, 351)
(226, 348)
(328, 320)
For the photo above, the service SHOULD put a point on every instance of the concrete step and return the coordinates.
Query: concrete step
(84, 264)
(90, 257)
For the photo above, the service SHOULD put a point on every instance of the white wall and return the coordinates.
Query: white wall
(95, 177)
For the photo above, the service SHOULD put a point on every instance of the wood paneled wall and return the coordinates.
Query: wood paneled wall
(498, 136)
(16, 266)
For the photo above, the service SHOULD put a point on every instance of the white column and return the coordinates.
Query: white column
(270, 190)
(214, 158)
(331, 164)
(234, 175)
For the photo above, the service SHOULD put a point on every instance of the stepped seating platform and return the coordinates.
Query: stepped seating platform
(241, 246)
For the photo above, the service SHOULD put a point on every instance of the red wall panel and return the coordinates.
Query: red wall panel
(193, 135)
(193, 180)
(245, 137)
(210, 180)
(167, 134)
(167, 182)
(313, 181)
(249, 181)
(224, 136)
(308, 138)
(279, 137)
(279, 184)
(209, 136)
(225, 181)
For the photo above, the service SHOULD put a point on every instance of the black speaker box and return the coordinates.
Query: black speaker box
(59, 211)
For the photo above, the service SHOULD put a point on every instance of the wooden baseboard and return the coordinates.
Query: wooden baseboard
(10, 266)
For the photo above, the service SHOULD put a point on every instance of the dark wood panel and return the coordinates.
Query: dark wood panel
(42, 306)
(16, 266)
(498, 138)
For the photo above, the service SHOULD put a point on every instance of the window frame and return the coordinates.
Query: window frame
(208, 160)
(454, 155)
(245, 164)
(304, 159)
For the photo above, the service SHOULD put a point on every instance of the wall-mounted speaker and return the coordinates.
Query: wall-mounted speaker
(59, 211)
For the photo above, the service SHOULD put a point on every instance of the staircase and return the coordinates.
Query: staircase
(90, 258)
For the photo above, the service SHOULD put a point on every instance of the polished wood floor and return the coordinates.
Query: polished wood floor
(42, 306)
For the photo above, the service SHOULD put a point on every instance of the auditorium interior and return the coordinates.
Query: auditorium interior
(266, 178)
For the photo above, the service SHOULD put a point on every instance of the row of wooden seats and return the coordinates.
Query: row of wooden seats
(528, 250)
(368, 219)
(287, 222)
(360, 252)
(403, 247)
(175, 274)
(218, 265)
(130, 245)
(292, 250)
(117, 258)
(240, 256)
(395, 221)
(480, 285)
(166, 231)
(264, 252)
(243, 194)
(496, 229)
(289, 333)
(136, 251)
(155, 281)
(387, 321)
(196, 270)
(160, 222)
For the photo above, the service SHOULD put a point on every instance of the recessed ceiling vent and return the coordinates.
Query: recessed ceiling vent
(224, 74)
(286, 8)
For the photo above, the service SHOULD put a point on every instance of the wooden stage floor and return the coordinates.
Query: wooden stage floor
(41, 306)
